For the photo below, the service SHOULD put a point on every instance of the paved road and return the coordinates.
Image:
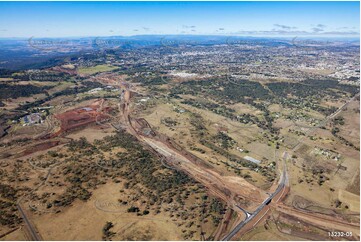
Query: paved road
(282, 184)
(244, 211)
(30, 227)
(33, 233)
(161, 150)
(284, 176)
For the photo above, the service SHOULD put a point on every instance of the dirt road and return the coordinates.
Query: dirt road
(228, 188)
(231, 189)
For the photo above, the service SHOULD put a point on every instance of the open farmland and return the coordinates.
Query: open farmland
(158, 140)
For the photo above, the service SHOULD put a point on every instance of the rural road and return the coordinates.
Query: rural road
(282, 184)
(299, 143)
(212, 180)
(33, 233)
(35, 236)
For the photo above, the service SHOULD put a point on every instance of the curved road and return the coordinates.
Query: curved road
(284, 178)
(249, 217)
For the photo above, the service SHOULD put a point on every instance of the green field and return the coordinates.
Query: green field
(95, 69)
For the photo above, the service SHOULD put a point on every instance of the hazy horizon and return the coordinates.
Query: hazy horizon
(257, 19)
(187, 35)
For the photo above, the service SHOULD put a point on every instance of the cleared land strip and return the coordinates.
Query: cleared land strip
(321, 220)
(226, 187)
(231, 189)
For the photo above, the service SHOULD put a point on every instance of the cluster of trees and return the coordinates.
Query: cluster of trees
(214, 107)
(79, 144)
(75, 191)
(86, 86)
(15, 91)
(8, 192)
(137, 167)
(134, 209)
(107, 234)
(338, 121)
(214, 147)
(319, 174)
(268, 172)
(310, 92)
(311, 88)
(217, 206)
(225, 141)
(197, 121)
(231, 113)
(305, 94)
(224, 90)
(243, 118)
(6, 73)
(335, 132)
(169, 122)
(8, 217)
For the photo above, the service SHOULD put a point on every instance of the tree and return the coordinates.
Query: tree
(106, 230)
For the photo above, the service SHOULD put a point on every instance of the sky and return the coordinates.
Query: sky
(80, 19)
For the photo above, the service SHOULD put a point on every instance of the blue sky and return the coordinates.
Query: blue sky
(75, 19)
